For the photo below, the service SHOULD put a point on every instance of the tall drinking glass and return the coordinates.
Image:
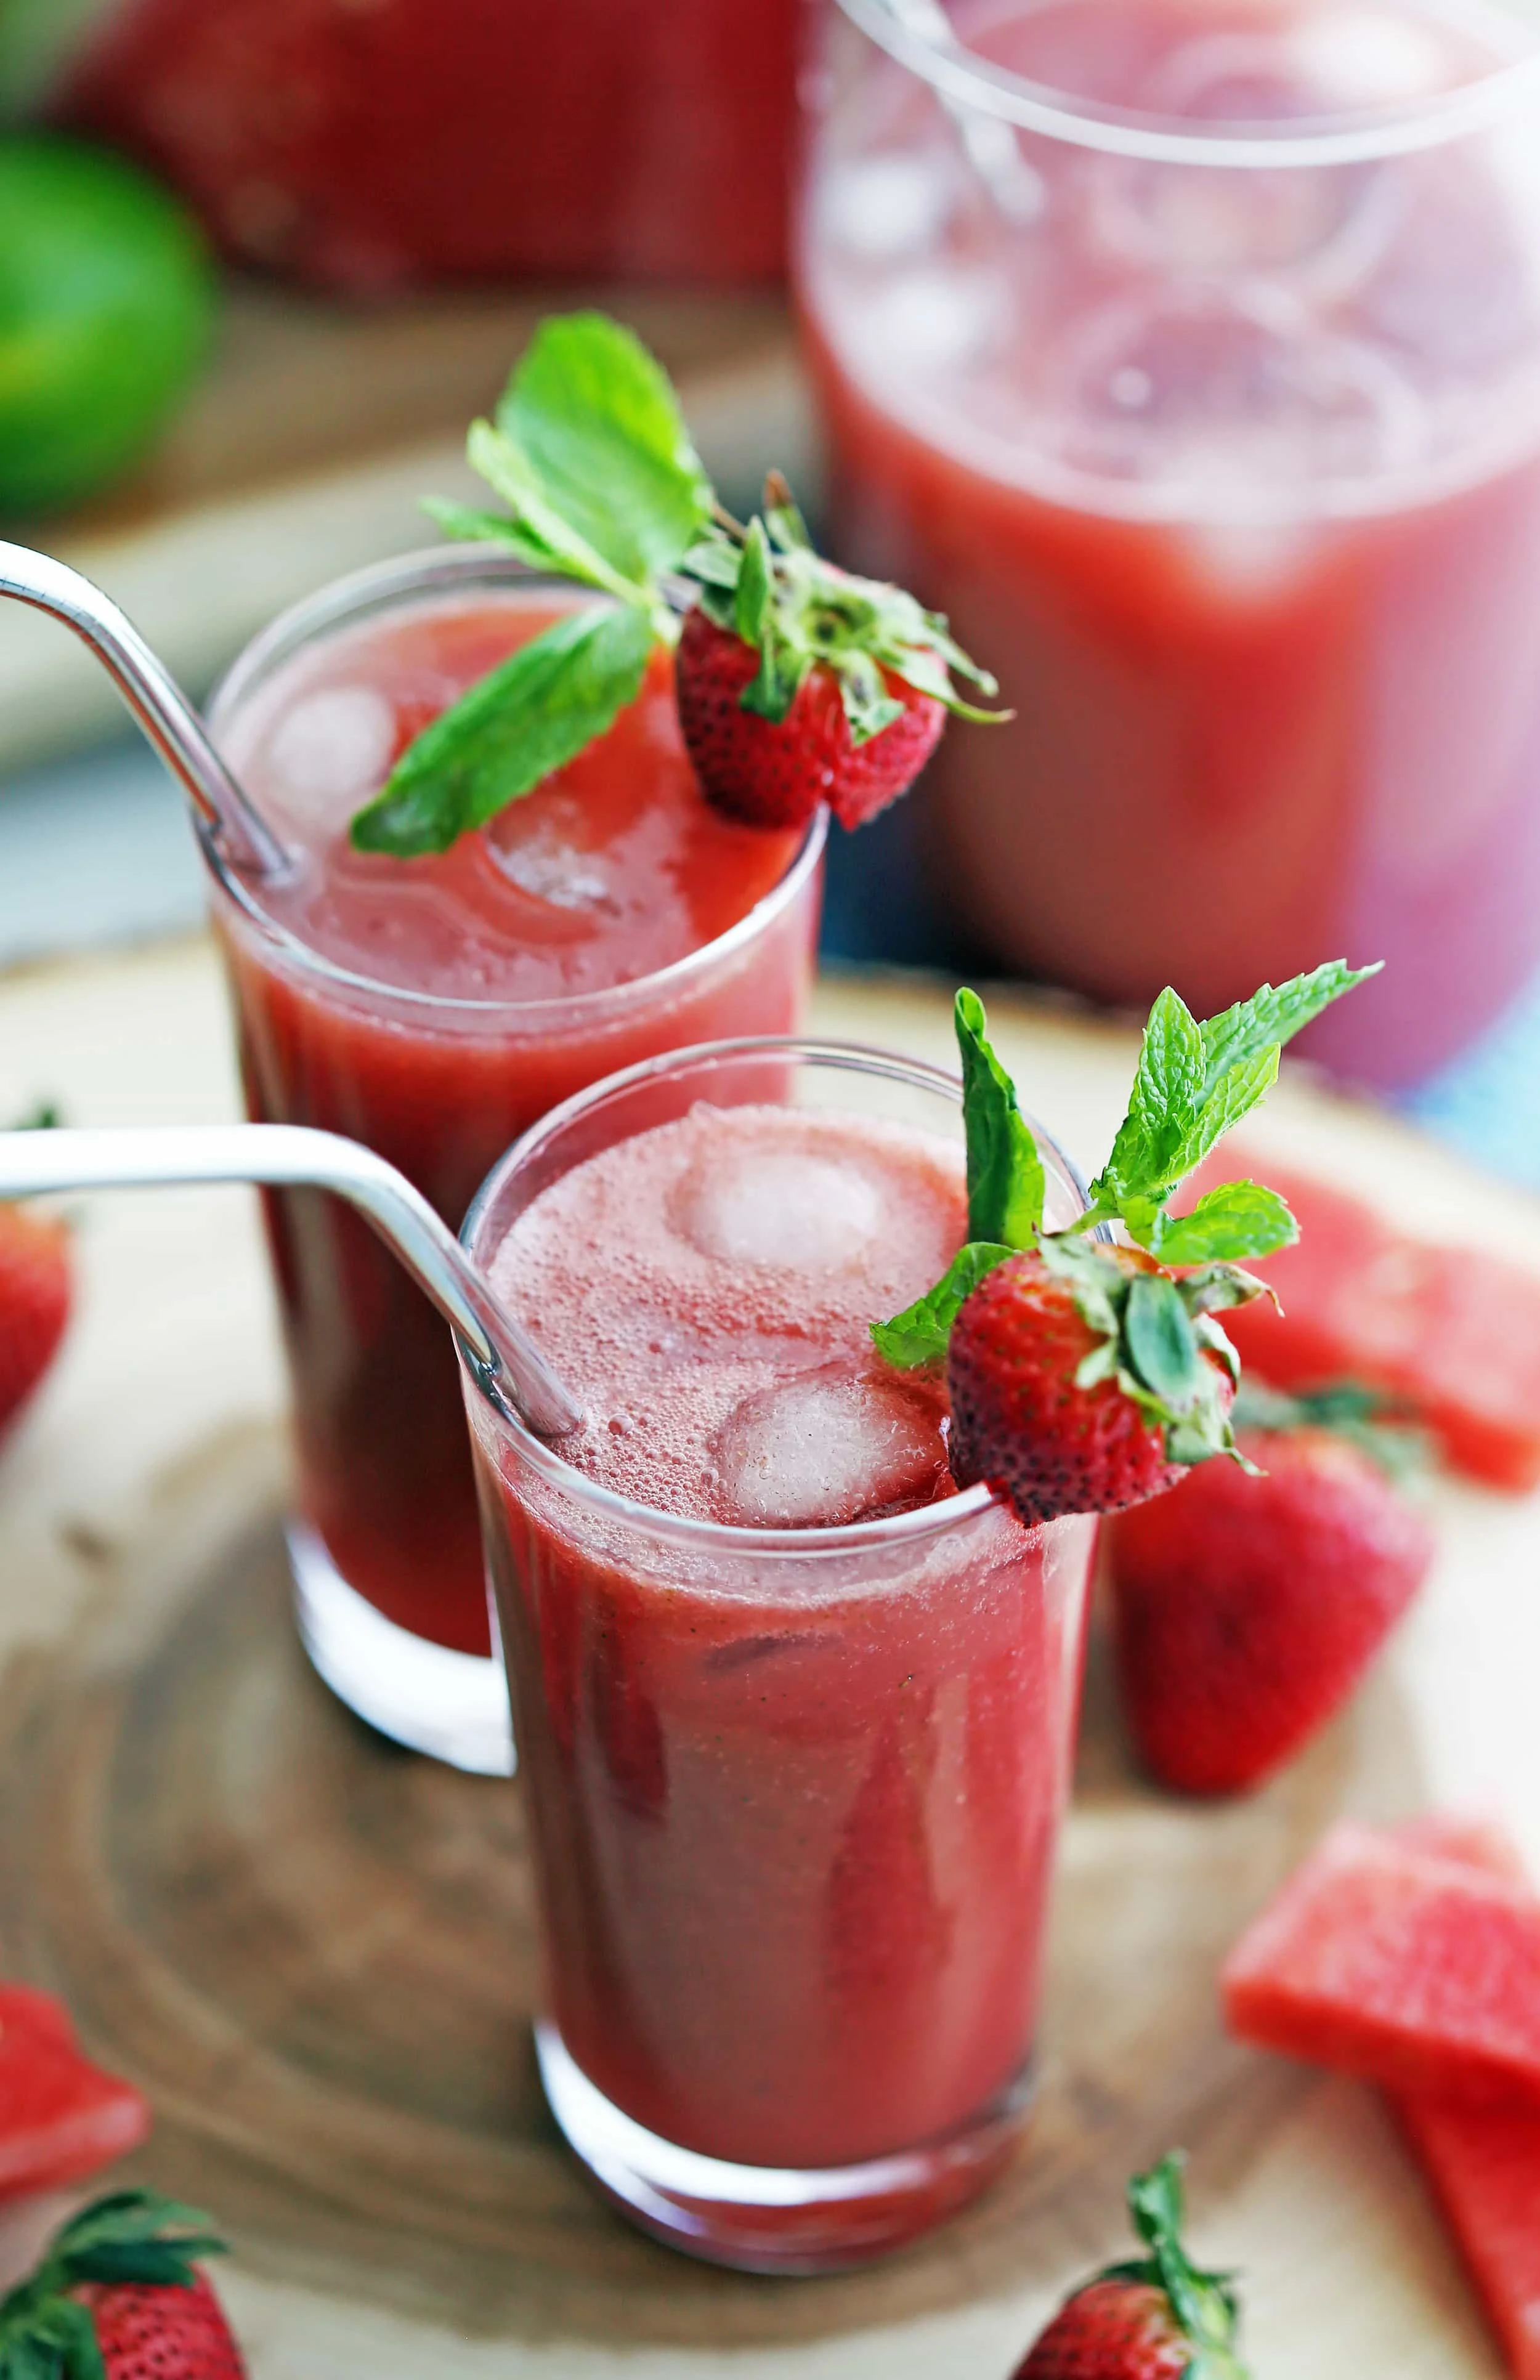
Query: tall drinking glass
(433, 1009)
(1187, 352)
(794, 1792)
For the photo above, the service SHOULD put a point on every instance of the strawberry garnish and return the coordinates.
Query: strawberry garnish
(1085, 1376)
(797, 683)
(118, 2296)
(1247, 1609)
(1156, 2318)
(34, 1294)
(61, 2118)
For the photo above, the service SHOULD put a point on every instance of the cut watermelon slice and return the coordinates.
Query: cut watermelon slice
(61, 2118)
(1484, 2163)
(1415, 1971)
(1453, 1331)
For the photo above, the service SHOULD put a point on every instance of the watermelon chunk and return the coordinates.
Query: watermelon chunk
(1484, 2163)
(61, 2118)
(1454, 1332)
(1418, 1972)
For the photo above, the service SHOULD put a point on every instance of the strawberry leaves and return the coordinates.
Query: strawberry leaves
(765, 584)
(135, 2238)
(1203, 2304)
(590, 454)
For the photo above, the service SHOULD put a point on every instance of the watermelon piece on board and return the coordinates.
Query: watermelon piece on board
(61, 2118)
(1418, 1972)
(1484, 2165)
(1454, 1332)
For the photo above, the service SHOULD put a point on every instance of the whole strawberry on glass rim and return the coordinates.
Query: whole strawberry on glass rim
(1156, 2317)
(1086, 1375)
(117, 2295)
(795, 684)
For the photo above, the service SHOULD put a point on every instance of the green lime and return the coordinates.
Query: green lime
(107, 300)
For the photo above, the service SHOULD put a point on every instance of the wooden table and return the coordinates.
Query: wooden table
(314, 1952)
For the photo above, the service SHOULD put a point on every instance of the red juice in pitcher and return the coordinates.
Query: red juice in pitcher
(1209, 411)
(433, 1009)
(796, 1718)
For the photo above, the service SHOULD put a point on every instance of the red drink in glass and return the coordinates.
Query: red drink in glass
(1204, 395)
(433, 1009)
(796, 1718)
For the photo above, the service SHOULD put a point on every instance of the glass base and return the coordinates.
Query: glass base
(767, 2219)
(452, 1706)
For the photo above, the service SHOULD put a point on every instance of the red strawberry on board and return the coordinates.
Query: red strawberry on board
(1451, 1333)
(1085, 1376)
(1246, 1609)
(118, 2296)
(61, 2118)
(1156, 2317)
(1413, 1969)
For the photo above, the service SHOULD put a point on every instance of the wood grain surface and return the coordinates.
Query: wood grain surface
(316, 1954)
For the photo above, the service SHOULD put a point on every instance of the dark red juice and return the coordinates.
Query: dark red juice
(794, 1808)
(434, 1008)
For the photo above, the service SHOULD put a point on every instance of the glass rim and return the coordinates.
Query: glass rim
(812, 1544)
(911, 33)
(425, 571)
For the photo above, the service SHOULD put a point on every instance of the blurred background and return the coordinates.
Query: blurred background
(1228, 464)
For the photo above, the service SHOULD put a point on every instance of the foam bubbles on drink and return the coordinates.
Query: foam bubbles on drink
(832, 1447)
(766, 1206)
(329, 754)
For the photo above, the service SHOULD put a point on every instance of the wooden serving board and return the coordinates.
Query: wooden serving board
(317, 1953)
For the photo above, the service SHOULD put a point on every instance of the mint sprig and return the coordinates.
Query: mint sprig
(590, 454)
(1154, 1335)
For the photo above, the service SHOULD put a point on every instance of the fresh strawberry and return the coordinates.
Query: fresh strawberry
(118, 2296)
(1086, 1377)
(34, 1295)
(1046, 1402)
(1156, 2318)
(795, 683)
(770, 773)
(61, 2118)
(1246, 1609)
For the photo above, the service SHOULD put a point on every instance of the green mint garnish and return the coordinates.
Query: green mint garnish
(591, 454)
(1152, 1334)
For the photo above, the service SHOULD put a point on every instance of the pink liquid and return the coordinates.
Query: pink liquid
(795, 1825)
(598, 883)
(1234, 479)
(367, 146)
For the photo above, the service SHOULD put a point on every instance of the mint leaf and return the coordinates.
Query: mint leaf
(1006, 1182)
(538, 532)
(1228, 1225)
(1272, 1018)
(600, 424)
(1163, 1109)
(470, 525)
(1237, 1092)
(919, 1335)
(1161, 1345)
(510, 732)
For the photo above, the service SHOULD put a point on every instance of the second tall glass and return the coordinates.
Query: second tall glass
(433, 1009)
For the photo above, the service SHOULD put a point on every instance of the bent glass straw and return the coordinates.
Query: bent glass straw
(153, 696)
(511, 1369)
